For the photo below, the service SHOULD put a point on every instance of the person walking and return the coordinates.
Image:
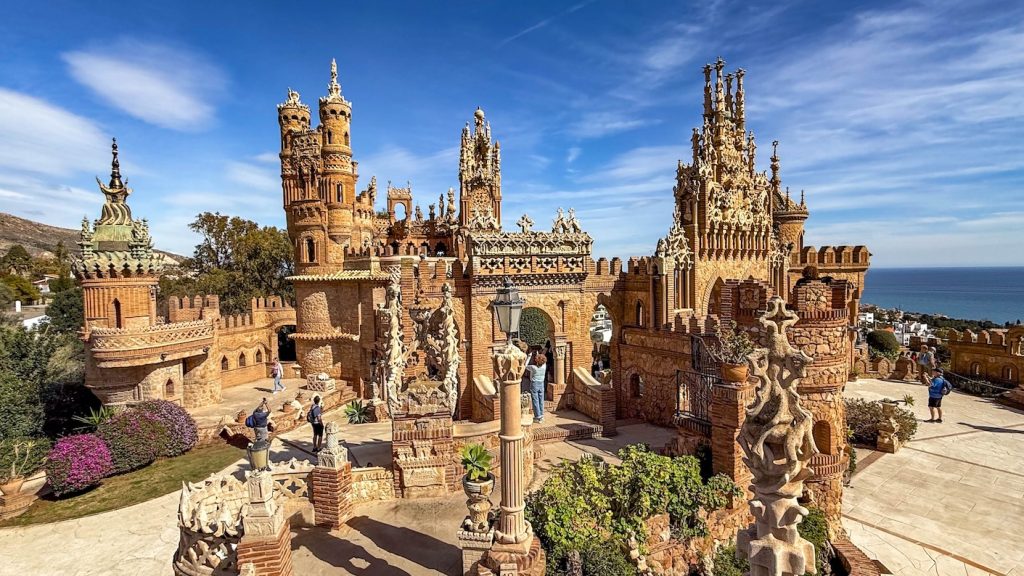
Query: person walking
(315, 418)
(925, 365)
(537, 370)
(260, 421)
(938, 388)
(277, 371)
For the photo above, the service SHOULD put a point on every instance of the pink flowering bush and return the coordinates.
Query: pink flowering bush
(76, 463)
(182, 432)
(134, 437)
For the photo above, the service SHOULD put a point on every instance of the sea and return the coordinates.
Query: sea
(995, 294)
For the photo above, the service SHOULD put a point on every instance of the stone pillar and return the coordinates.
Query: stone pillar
(515, 551)
(332, 482)
(266, 542)
(887, 440)
(729, 401)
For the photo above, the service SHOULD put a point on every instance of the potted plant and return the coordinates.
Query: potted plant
(478, 483)
(731, 351)
(21, 458)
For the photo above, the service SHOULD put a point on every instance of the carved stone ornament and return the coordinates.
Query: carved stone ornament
(390, 316)
(777, 444)
(333, 454)
(509, 363)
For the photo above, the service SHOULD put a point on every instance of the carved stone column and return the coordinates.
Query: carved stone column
(515, 550)
(332, 482)
(266, 542)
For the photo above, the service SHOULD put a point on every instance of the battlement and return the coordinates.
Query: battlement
(192, 308)
(270, 302)
(234, 321)
(833, 255)
(605, 267)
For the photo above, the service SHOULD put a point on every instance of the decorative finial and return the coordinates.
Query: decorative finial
(115, 168)
(803, 203)
(333, 88)
(334, 70)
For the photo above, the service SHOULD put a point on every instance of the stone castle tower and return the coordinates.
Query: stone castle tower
(318, 178)
(479, 172)
(118, 270)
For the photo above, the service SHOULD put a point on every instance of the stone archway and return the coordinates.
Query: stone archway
(715, 298)
(536, 327)
(285, 345)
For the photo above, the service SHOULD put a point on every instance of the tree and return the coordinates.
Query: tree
(61, 284)
(17, 260)
(237, 260)
(66, 311)
(883, 343)
(21, 288)
(60, 252)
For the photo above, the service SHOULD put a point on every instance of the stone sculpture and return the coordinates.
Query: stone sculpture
(390, 313)
(777, 444)
(448, 343)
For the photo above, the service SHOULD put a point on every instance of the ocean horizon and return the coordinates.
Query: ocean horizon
(993, 293)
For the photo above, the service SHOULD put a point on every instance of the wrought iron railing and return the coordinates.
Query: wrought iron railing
(693, 399)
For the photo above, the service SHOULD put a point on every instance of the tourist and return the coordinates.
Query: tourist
(260, 421)
(925, 365)
(315, 419)
(537, 370)
(596, 366)
(549, 355)
(938, 388)
(277, 372)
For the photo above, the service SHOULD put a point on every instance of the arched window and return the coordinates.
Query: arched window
(117, 313)
(329, 137)
(259, 356)
(1009, 373)
(346, 138)
(241, 360)
(224, 363)
(636, 386)
(169, 389)
(639, 313)
(976, 369)
(823, 436)
(310, 250)
(341, 192)
(441, 249)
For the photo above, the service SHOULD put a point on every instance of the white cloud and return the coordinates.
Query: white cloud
(41, 138)
(268, 157)
(256, 177)
(573, 154)
(168, 87)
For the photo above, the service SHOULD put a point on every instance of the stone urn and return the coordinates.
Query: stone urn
(300, 397)
(734, 372)
(479, 502)
(13, 486)
(240, 416)
(288, 408)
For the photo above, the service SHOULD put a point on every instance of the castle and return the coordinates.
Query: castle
(366, 278)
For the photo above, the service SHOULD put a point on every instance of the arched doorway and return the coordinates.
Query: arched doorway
(285, 345)
(538, 332)
(715, 299)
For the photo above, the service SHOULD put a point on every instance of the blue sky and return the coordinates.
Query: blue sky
(901, 120)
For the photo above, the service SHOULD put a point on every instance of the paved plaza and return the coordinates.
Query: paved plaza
(951, 502)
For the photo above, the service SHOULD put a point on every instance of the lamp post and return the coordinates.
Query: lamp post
(509, 364)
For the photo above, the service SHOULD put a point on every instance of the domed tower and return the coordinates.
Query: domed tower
(118, 270)
(338, 175)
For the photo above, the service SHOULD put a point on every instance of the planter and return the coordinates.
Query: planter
(479, 503)
(241, 416)
(734, 372)
(12, 486)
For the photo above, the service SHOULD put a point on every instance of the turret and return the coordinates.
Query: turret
(338, 174)
(479, 171)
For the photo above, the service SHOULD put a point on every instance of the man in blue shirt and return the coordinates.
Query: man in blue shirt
(537, 371)
(938, 388)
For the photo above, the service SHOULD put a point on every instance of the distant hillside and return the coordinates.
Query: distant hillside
(39, 239)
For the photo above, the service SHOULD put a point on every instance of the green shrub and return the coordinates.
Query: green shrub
(134, 437)
(883, 343)
(605, 558)
(814, 529)
(534, 327)
(586, 501)
(727, 564)
(476, 461)
(863, 418)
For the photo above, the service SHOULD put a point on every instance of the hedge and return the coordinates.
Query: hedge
(135, 438)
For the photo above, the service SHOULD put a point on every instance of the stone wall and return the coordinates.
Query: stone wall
(372, 484)
(594, 399)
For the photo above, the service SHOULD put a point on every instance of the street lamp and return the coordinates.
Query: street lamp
(509, 307)
(259, 455)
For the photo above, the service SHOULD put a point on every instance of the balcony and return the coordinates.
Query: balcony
(120, 347)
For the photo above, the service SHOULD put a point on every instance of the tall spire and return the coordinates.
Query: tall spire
(333, 88)
(719, 90)
(741, 119)
(776, 181)
(707, 90)
(115, 168)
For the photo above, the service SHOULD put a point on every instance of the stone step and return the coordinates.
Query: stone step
(563, 432)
